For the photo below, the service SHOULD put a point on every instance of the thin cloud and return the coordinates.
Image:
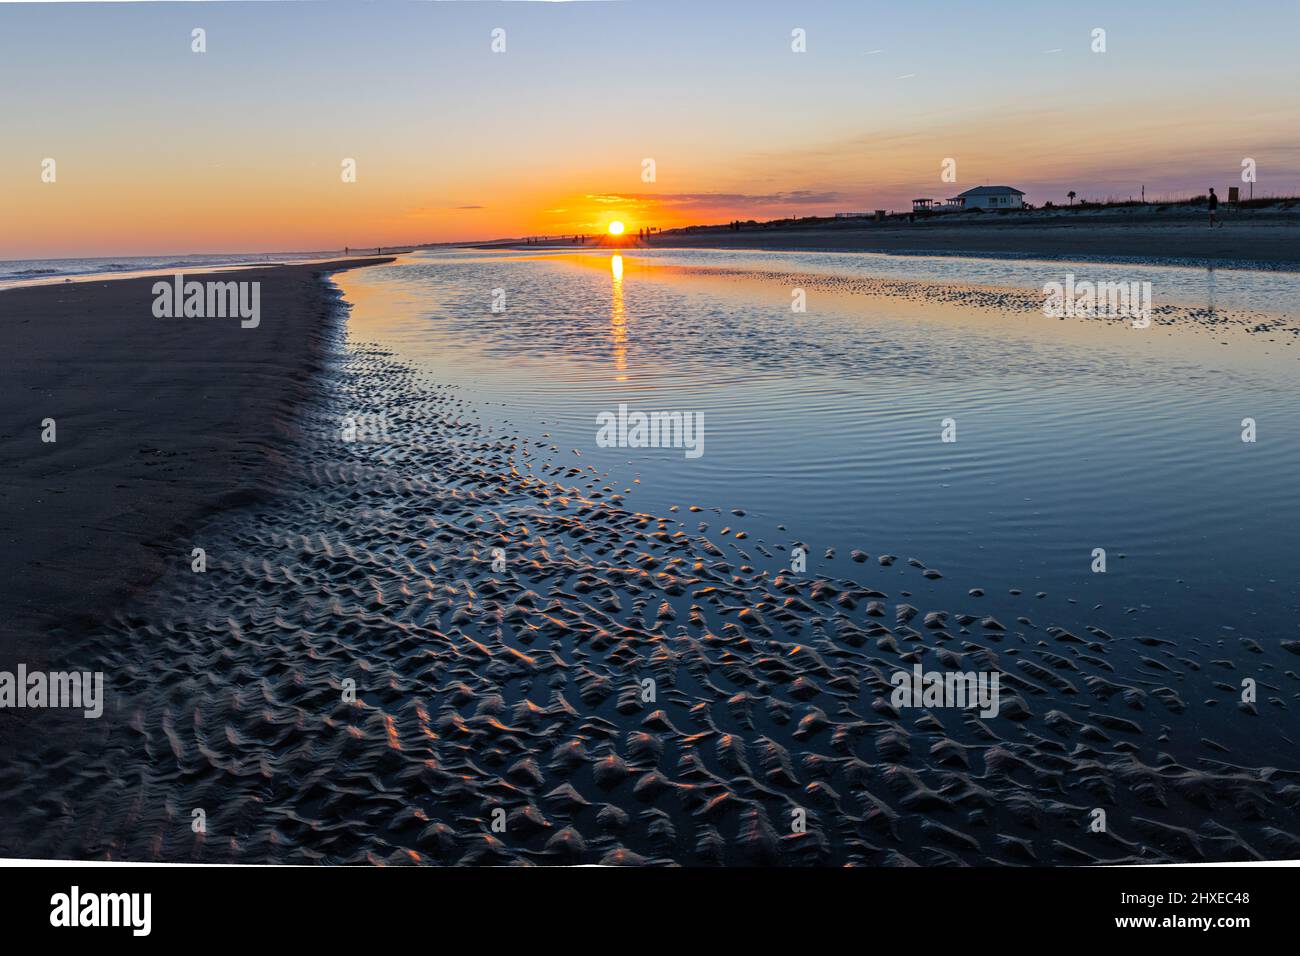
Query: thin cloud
(710, 200)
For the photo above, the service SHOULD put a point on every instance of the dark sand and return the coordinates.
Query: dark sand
(1243, 243)
(519, 695)
(501, 716)
(160, 423)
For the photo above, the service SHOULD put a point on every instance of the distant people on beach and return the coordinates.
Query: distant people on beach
(1213, 203)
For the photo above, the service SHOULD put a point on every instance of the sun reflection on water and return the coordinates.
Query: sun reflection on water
(618, 318)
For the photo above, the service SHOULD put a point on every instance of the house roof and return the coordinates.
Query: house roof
(991, 191)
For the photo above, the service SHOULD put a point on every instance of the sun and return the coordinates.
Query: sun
(616, 228)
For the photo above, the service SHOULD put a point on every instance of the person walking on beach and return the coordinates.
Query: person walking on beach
(1213, 203)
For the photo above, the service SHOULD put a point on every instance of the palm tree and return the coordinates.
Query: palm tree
(1071, 195)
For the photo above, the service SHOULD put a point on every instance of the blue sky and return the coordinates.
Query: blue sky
(160, 147)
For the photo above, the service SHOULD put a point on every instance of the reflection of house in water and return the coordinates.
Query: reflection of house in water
(981, 197)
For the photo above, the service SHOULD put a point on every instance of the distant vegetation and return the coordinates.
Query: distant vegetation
(1075, 207)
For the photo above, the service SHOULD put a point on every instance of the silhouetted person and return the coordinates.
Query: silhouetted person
(1213, 203)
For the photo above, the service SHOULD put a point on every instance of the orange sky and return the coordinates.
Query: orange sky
(239, 149)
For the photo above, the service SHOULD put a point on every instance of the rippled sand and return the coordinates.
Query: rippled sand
(523, 690)
(1008, 300)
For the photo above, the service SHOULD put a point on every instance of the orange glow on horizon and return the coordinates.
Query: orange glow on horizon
(296, 203)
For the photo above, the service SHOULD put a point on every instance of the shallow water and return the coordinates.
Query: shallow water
(519, 688)
(1071, 435)
(24, 272)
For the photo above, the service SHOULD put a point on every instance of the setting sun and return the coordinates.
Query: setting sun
(616, 228)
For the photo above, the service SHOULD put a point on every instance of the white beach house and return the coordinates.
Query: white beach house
(990, 197)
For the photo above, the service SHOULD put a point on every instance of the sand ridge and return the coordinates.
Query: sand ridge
(518, 696)
(159, 424)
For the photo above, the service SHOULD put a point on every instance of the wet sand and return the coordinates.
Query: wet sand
(502, 713)
(159, 424)
(1002, 300)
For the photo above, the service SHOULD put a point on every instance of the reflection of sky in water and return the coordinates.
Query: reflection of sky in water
(1071, 435)
(1189, 286)
(1201, 287)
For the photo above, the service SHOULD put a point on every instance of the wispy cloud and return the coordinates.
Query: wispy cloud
(707, 200)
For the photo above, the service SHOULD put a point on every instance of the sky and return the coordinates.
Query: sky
(158, 149)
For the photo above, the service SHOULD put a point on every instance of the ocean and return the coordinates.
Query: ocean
(20, 272)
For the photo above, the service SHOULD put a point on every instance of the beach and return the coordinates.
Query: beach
(520, 437)
(157, 425)
(469, 633)
(1247, 242)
